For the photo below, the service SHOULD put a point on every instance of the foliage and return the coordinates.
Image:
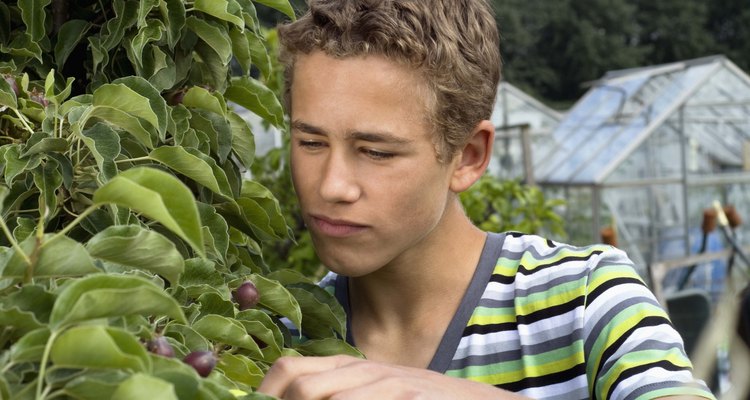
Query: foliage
(552, 49)
(125, 214)
(498, 206)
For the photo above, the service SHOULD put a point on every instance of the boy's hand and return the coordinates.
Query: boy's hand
(350, 378)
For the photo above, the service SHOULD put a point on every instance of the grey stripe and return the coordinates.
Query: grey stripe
(546, 286)
(533, 251)
(448, 344)
(659, 385)
(495, 356)
(606, 317)
(647, 345)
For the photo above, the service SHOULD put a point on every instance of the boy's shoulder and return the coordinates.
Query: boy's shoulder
(536, 251)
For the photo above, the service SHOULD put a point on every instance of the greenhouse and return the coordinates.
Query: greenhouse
(647, 150)
(518, 119)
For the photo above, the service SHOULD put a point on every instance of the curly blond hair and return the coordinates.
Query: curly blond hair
(452, 44)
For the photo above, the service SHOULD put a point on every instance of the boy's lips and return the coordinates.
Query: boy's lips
(335, 227)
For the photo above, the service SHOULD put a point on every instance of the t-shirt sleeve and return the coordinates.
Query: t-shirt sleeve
(632, 350)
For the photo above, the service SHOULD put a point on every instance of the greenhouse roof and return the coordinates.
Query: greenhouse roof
(625, 107)
(513, 106)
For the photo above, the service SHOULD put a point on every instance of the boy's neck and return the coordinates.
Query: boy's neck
(417, 297)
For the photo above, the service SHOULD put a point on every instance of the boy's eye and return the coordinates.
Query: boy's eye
(378, 155)
(310, 144)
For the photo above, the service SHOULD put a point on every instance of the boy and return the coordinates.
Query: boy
(390, 103)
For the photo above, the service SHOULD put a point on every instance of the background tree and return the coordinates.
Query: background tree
(551, 49)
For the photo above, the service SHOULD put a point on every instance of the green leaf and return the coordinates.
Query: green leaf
(209, 67)
(241, 369)
(189, 163)
(217, 129)
(32, 298)
(114, 29)
(25, 227)
(241, 48)
(22, 322)
(4, 191)
(105, 347)
(158, 195)
(260, 325)
(60, 257)
(142, 386)
(214, 36)
(214, 303)
(160, 68)
(16, 165)
(248, 216)
(156, 102)
(23, 46)
(327, 347)
(71, 33)
(173, 14)
(105, 296)
(122, 97)
(243, 141)
(135, 247)
(144, 8)
(121, 119)
(95, 385)
(217, 228)
(198, 97)
(45, 145)
(33, 15)
(274, 297)
(256, 97)
(104, 144)
(281, 5)
(152, 32)
(66, 168)
(199, 272)
(259, 53)
(7, 95)
(220, 9)
(31, 346)
(322, 315)
(228, 331)
(270, 205)
(48, 179)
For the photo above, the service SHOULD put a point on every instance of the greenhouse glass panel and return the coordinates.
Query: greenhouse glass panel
(574, 134)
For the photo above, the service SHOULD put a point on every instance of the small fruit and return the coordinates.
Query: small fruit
(246, 295)
(12, 83)
(202, 361)
(160, 346)
(38, 97)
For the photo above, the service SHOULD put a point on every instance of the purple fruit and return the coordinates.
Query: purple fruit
(161, 346)
(246, 295)
(12, 83)
(202, 361)
(38, 97)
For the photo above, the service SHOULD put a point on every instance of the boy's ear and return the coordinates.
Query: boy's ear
(472, 160)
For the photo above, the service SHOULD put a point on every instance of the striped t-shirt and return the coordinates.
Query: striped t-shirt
(554, 321)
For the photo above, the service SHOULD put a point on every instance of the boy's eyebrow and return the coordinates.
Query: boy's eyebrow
(376, 137)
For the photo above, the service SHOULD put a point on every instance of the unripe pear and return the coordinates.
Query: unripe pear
(160, 346)
(12, 83)
(246, 295)
(202, 361)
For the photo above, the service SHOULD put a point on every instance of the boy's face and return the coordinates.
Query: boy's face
(363, 162)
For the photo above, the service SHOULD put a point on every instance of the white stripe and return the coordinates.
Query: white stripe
(651, 376)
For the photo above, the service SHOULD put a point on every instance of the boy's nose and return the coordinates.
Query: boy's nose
(339, 183)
